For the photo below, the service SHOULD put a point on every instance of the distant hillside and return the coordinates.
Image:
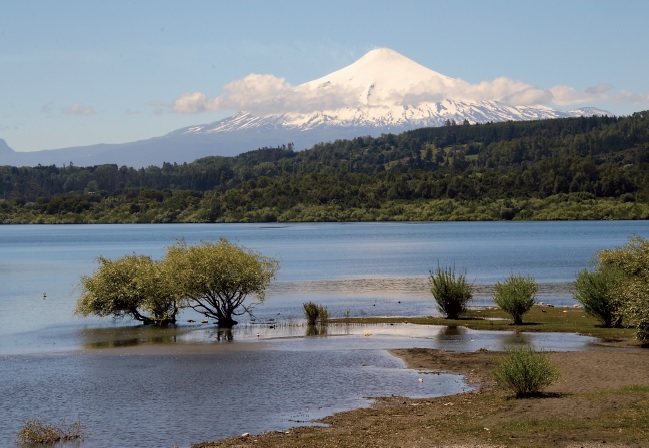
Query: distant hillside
(572, 168)
(382, 92)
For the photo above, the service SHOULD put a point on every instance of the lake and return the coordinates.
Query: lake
(136, 386)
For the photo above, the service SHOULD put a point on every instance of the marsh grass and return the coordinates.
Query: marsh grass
(36, 432)
(516, 296)
(315, 313)
(525, 372)
(451, 291)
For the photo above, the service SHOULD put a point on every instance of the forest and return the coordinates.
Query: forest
(560, 169)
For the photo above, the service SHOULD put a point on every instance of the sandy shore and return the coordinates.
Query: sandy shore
(413, 285)
(595, 386)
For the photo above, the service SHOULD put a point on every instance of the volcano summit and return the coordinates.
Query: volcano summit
(382, 92)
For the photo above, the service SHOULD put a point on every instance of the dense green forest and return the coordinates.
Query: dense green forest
(574, 168)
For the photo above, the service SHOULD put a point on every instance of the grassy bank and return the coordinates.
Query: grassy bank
(538, 319)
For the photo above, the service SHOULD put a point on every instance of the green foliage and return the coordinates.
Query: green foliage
(212, 278)
(134, 285)
(37, 432)
(516, 296)
(525, 372)
(632, 260)
(216, 278)
(451, 291)
(315, 313)
(574, 168)
(598, 291)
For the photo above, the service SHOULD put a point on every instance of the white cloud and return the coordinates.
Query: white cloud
(501, 89)
(566, 95)
(191, 103)
(261, 94)
(79, 109)
(634, 98)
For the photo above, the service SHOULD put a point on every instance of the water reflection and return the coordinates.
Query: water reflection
(222, 335)
(516, 338)
(116, 337)
(451, 331)
(316, 330)
(344, 336)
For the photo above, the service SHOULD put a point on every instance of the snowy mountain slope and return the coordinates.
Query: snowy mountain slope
(385, 90)
(382, 92)
(388, 118)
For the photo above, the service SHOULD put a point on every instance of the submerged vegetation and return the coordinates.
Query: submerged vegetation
(36, 432)
(315, 313)
(563, 169)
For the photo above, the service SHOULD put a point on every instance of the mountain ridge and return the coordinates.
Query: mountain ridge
(382, 92)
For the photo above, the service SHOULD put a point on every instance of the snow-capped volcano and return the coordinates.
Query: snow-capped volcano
(386, 92)
(382, 92)
(380, 78)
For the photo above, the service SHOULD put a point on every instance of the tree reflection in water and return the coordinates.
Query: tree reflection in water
(316, 330)
(222, 335)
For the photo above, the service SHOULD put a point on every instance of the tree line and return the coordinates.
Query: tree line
(583, 168)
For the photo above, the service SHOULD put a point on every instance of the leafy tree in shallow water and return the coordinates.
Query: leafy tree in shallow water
(215, 279)
(131, 286)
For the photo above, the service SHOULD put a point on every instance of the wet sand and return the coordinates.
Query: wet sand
(587, 389)
(411, 285)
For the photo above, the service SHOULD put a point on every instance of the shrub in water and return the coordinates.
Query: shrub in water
(525, 371)
(315, 313)
(35, 431)
(516, 296)
(451, 291)
(598, 291)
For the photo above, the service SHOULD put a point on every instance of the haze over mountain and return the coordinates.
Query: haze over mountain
(382, 92)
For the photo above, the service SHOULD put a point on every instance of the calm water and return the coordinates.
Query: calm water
(133, 386)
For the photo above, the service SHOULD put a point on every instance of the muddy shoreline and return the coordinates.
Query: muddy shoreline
(596, 394)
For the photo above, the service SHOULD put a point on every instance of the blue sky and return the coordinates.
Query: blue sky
(80, 72)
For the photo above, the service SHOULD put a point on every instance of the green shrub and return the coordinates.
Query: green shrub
(516, 296)
(598, 292)
(525, 371)
(35, 431)
(632, 260)
(315, 313)
(451, 291)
